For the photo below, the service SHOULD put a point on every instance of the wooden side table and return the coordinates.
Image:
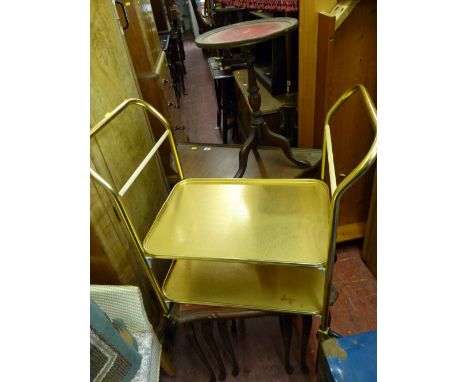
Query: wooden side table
(244, 35)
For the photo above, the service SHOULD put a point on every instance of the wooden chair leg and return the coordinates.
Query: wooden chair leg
(306, 328)
(167, 365)
(207, 330)
(226, 338)
(189, 330)
(286, 332)
(234, 327)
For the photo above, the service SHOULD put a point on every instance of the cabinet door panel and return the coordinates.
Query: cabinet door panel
(150, 30)
(142, 35)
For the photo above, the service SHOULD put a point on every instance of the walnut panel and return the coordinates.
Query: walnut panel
(308, 21)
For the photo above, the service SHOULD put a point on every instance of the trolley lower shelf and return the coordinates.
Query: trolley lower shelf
(279, 288)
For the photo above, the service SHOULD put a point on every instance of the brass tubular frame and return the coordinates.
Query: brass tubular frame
(336, 191)
(327, 146)
(118, 199)
(345, 184)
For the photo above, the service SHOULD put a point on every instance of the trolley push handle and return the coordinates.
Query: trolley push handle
(117, 195)
(337, 191)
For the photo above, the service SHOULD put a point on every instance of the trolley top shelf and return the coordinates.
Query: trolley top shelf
(261, 221)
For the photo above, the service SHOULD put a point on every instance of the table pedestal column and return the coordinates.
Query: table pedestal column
(258, 127)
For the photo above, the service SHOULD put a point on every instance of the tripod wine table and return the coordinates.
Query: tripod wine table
(244, 35)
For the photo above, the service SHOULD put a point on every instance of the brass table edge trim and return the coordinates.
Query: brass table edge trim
(249, 307)
(321, 266)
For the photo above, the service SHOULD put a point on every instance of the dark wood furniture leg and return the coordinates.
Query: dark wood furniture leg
(181, 74)
(207, 330)
(226, 338)
(167, 365)
(189, 330)
(217, 85)
(306, 328)
(274, 139)
(256, 119)
(286, 332)
(224, 111)
(234, 327)
(180, 43)
(244, 154)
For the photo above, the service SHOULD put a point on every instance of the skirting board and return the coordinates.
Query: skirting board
(351, 231)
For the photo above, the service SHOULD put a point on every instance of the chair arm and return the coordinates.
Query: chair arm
(124, 302)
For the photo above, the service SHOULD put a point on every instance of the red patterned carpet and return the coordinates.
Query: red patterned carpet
(198, 106)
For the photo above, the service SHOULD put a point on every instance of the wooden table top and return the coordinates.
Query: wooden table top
(246, 33)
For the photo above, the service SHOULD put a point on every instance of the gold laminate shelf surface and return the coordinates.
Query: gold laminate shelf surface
(259, 287)
(263, 221)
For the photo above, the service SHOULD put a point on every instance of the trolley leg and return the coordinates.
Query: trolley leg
(306, 328)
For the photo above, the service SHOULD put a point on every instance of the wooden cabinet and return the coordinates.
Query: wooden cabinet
(160, 15)
(152, 70)
(337, 49)
(115, 153)
(308, 29)
(156, 89)
(142, 35)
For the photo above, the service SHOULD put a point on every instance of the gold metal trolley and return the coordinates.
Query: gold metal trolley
(262, 244)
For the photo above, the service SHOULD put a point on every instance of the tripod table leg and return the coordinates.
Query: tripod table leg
(244, 154)
(274, 139)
